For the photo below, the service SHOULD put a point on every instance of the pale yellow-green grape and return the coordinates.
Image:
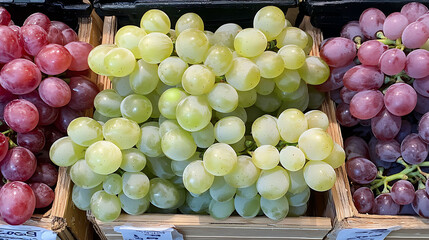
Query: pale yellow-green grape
(240, 145)
(83, 176)
(266, 157)
(169, 100)
(300, 198)
(221, 191)
(297, 211)
(244, 174)
(319, 175)
(292, 158)
(163, 194)
(150, 141)
(196, 178)
(293, 56)
(155, 20)
(81, 197)
(122, 85)
(136, 107)
(112, 184)
(133, 160)
(300, 103)
(291, 124)
(309, 45)
(123, 132)
(64, 152)
(317, 119)
(316, 98)
(96, 58)
(154, 100)
(238, 112)
(85, 131)
(119, 62)
(270, 64)
(265, 86)
(187, 21)
(171, 70)
(105, 207)
(270, 20)
(295, 95)
(144, 78)
(337, 156)
(134, 206)
(219, 159)
(247, 192)
(250, 42)
(274, 183)
(225, 34)
(210, 35)
(247, 98)
(155, 47)
(129, 37)
(221, 210)
(179, 166)
(247, 207)
(193, 113)
(297, 182)
(192, 46)
(100, 117)
(292, 35)
(200, 203)
(160, 167)
(103, 157)
(288, 81)
(178, 145)
(168, 125)
(223, 98)
(315, 71)
(268, 103)
(229, 130)
(265, 131)
(198, 80)
(219, 59)
(243, 75)
(108, 103)
(316, 144)
(204, 138)
(135, 185)
(275, 209)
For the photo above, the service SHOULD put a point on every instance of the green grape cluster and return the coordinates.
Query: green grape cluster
(202, 122)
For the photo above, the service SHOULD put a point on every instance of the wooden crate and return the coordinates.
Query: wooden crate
(204, 227)
(64, 218)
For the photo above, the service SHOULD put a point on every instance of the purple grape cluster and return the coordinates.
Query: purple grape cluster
(36, 107)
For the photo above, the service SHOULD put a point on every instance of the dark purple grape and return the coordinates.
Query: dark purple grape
(384, 205)
(47, 114)
(363, 199)
(45, 173)
(356, 147)
(407, 210)
(374, 157)
(421, 203)
(422, 105)
(361, 170)
(404, 131)
(51, 135)
(6, 96)
(65, 117)
(335, 96)
(43, 193)
(344, 116)
(19, 164)
(423, 128)
(83, 93)
(413, 149)
(352, 30)
(33, 140)
(363, 77)
(385, 126)
(427, 186)
(338, 52)
(388, 150)
(421, 85)
(347, 94)
(402, 192)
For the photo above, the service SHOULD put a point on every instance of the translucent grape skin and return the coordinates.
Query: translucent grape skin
(33, 140)
(370, 52)
(356, 147)
(400, 99)
(43, 193)
(79, 52)
(20, 76)
(35, 38)
(385, 126)
(371, 21)
(21, 115)
(352, 30)
(363, 199)
(19, 164)
(53, 59)
(17, 202)
(361, 170)
(55, 92)
(420, 203)
(366, 104)
(402, 192)
(83, 93)
(394, 25)
(384, 205)
(417, 64)
(413, 10)
(344, 116)
(338, 52)
(392, 61)
(363, 77)
(413, 149)
(415, 35)
(423, 128)
(45, 173)
(388, 151)
(4, 16)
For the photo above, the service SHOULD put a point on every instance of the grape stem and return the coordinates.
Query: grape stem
(421, 185)
(426, 175)
(7, 131)
(12, 144)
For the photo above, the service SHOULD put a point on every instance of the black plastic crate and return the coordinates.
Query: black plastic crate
(213, 12)
(67, 11)
(331, 15)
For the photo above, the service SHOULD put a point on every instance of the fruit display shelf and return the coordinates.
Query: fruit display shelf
(64, 218)
(315, 226)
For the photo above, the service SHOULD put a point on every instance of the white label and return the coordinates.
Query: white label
(148, 233)
(364, 234)
(25, 233)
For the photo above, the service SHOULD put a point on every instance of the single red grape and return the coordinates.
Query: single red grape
(20, 76)
(35, 38)
(45, 173)
(19, 164)
(43, 193)
(54, 92)
(21, 115)
(17, 202)
(53, 59)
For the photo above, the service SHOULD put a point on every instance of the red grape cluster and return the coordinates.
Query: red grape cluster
(42, 89)
(379, 76)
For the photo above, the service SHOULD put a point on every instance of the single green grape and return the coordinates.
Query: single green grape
(171, 70)
(288, 81)
(229, 130)
(316, 98)
(169, 100)
(250, 42)
(247, 98)
(144, 77)
(221, 191)
(196, 178)
(300, 103)
(119, 62)
(103, 157)
(136, 107)
(265, 131)
(154, 100)
(270, 20)
(221, 210)
(292, 36)
(297, 211)
(100, 117)
(238, 112)
(293, 56)
(299, 199)
(247, 192)
(210, 35)
(315, 71)
(105, 207)
(247, 207)
(317, 119)
(178, 144)
(274, 183)
(168, 125)
(275, 209)
(309, 45)
(337, 157)
(219, 159)
(155, 47)
(150, 141)
(319, 175)
(193, 113)
(112, 184)
(133, 160)
(179, 166)
(223, 98)
(198, 80)
(108, 103)
(268, 103)
(163, 194)
(64, 152)
(292, 158)
(96, 58)
(129, 37)
(83, 176)
(243, 75)
(81, 197)
(123, 132)
(265, 86)
(266, 157)
(160, 167)
(244, 174)
(134, 206)
(219, 59)
(297, 182)
(155, 20)
(187, 21)
(135, 185)
(270, 64)
(225, 34)
(192, 46)
(239, 146)
(295, 95)
(122, 85)
(316, 144)
(200, 203)
(85, 131)
(205, 137)
(291, 124)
